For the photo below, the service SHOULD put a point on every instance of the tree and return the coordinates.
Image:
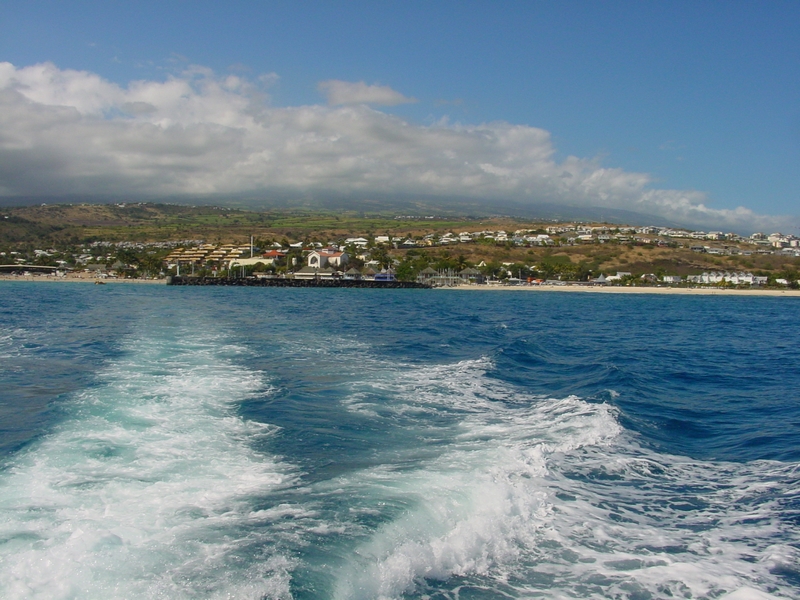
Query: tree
(405, 271)
(380, 255)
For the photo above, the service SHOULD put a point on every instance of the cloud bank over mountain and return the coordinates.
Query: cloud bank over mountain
(66, 132)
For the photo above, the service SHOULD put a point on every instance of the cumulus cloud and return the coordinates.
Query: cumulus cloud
(72, 132)
(340, 93)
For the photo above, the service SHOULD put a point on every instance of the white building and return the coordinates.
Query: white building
(328, 257)
(727, 277)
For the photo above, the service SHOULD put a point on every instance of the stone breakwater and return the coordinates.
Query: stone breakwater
(299, 283)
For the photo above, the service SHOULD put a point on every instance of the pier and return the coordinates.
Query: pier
(297, 283)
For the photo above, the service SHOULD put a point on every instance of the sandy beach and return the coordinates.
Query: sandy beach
(52, 279)
(580, 289)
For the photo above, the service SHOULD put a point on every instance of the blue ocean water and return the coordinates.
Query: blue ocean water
(160, 442)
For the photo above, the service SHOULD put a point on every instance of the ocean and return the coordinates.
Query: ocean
(167, 442)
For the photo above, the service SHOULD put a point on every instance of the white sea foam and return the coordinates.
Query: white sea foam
(537, 496)
(145, 489)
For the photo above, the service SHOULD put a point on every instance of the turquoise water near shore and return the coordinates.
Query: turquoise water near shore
(258, 443)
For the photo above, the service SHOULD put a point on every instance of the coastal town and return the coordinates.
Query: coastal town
(420, 249)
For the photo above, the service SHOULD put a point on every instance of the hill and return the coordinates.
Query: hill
(72, 226)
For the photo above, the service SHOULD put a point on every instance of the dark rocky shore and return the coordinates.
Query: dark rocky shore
(302, 283)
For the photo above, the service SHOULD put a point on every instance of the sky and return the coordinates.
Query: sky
(684, 110)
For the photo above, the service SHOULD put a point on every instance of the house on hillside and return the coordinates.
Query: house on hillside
(271, 256)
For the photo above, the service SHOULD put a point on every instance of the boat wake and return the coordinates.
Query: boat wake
(146, 488)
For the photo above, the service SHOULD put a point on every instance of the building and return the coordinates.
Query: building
(327, 257)
(314, 273)
(470, 275)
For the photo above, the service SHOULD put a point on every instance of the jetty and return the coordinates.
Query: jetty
(297, 283)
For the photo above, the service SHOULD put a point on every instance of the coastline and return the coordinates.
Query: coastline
(474, 287)
(631, 290)
(48, 279)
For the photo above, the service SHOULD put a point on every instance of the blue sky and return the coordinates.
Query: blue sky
(701, 98)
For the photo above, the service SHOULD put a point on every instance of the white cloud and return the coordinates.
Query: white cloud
(345, 92)
(72, 132)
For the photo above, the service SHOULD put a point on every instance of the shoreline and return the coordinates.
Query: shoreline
(46, 279)
(788, 293)
(632, 290)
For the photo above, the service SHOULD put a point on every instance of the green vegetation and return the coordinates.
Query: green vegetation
(86, 223)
